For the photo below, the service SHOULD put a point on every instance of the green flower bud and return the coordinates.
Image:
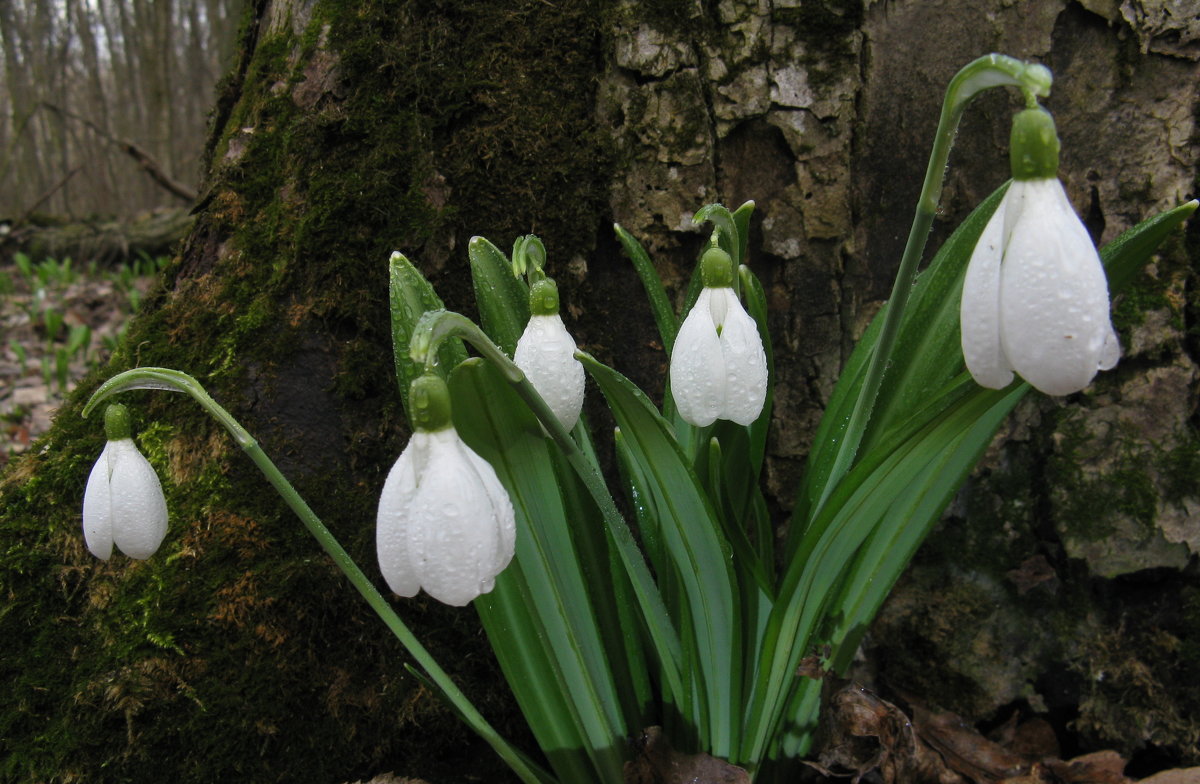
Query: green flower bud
(1033, 148)
(716, 269)
(429, 403)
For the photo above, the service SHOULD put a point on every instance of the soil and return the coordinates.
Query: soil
(30, 387)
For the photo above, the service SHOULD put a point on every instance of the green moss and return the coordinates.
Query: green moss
(1087, 505)
(1140, 671)
(1179, 467)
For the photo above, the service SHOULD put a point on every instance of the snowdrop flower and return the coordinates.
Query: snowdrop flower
(546, 353)
(718, 366)
(445, 523)
(1035, 299)
(123, 503)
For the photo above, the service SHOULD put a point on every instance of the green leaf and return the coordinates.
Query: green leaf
(621, 625)
(660, 306)
(410, 296)
(907, 482)
(548, 587)
(1128, 254)
(741, 220)
(935, 297)
(698, 552)
(502, 298)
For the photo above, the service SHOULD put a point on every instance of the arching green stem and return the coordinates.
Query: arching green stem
(175, 381)
(993, 70)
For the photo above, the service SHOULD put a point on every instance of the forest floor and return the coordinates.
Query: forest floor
(57, 321)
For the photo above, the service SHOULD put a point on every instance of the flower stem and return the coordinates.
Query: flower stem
(173, 380)
(993, 70)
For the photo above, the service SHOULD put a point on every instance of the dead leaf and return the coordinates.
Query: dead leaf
(965, 749)
(1100, 767)
(1032, 572)
(860, 732)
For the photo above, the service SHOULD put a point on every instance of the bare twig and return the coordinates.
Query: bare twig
(143, 158)
(46, 196)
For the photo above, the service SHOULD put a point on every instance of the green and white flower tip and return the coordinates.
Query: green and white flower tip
(718, 366)
(445, 523)
(123, 503)
(546, 354)
(1035, 298)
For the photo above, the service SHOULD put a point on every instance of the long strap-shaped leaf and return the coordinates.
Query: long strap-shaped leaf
(922, 342)
(894, 537)
(504, 309)
(410, 296)
(926, 464)
(701, 556)
(549, 585)
(503, 298)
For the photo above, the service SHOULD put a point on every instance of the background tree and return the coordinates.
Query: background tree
(1063, 581)
(80, 81)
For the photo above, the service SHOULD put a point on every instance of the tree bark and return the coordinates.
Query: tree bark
(347, 131)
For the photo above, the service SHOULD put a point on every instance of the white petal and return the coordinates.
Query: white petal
(97, 508)
(745, 362)
(546, 352)
(1111, 353)
(1054, 320)
(979, 310)
(139, 511)
(506, 526)
(698, 365)
(392, 519)
(454, 530)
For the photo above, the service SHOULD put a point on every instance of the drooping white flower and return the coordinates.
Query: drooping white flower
(546, 353)
(445, 523)
(1035, 298)
(123, 502)
(718, 365)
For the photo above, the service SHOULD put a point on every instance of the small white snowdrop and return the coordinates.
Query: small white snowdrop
(1035, 298)
(445, 523)
(718, 365)
(546, 354)
(123, 502)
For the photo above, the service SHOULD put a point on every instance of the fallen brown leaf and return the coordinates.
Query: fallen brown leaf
(1100, 767)
(860, 732)
(966, 750)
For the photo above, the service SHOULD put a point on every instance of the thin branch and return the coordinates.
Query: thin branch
(143, 158)
(46, 196)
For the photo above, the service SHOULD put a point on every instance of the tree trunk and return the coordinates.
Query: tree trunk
(1059, 583)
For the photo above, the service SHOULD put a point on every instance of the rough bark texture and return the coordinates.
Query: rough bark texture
(1062, 581)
